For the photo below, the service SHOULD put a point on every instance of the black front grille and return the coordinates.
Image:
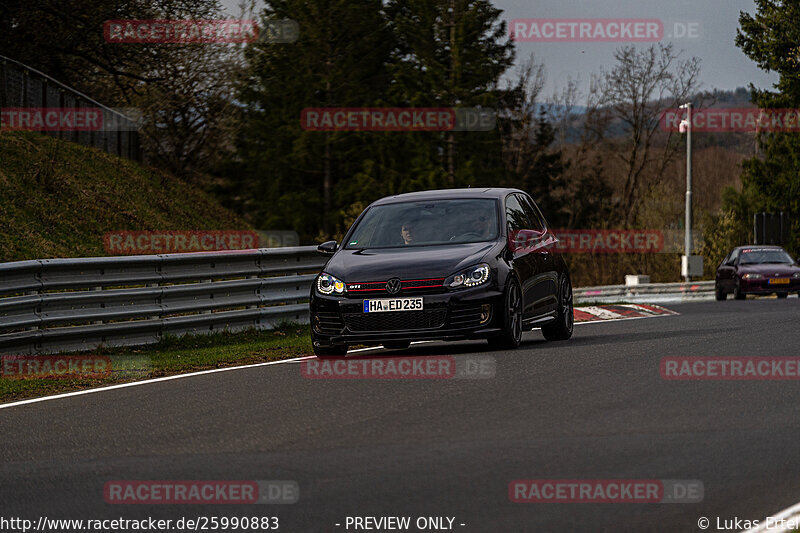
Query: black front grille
(329, 323)
(396, 320)
(465, 316)
(416, 286)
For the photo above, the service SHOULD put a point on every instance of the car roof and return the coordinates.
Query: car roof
(760, 246)
(447, 194)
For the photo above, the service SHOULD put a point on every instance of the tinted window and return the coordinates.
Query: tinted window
(515, 214)
(532, 212)
(426, 223)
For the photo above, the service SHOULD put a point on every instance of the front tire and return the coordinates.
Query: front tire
(511, 336)
(783, 294)
(737, 292)
(561, 330)
(719, 294)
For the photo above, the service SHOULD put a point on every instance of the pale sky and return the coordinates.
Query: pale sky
(723, 65)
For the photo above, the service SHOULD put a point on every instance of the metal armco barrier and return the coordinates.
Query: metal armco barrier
(60, 305)
(648, 292)
(55, 305)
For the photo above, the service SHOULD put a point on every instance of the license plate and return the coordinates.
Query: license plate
(383, 305)
(779, 281)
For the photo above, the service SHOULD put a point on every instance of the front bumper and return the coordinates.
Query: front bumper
(763, 286)
(454, 315)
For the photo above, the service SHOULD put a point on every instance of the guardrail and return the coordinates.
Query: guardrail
(59, 305)
(648, 292)
(56, 305)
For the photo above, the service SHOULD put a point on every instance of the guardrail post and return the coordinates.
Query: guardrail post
(36, 310)
(208, 311)
(158, 301)
(102, 305)
(252, 306)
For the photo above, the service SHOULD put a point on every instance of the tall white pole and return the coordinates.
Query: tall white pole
(688, 236)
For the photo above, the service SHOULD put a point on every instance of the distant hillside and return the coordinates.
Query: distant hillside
(57, 199)
(739, 98)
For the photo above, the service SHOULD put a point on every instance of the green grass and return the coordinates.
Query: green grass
(60, 198)
(175, 356)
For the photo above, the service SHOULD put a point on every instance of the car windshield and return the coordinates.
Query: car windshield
(426, 223)
(753, 257)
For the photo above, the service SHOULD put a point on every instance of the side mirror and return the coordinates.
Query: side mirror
(327, 248)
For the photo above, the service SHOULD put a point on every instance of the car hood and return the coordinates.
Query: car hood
(769, 269)
(380, 264)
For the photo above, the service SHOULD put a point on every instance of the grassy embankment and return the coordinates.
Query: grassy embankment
(58, 199)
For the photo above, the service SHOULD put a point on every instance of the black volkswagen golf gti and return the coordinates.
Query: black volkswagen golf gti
(447, 264)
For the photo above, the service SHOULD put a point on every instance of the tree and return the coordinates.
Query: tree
(183, 91)
(452, 53)
(631, 97)
(360, 53)
(288, 176)
(772, 183)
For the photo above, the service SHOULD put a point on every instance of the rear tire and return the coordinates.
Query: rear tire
(737, 292)
(330, 352)
(719, 294)
(783, 294)
(511, 336)
(561, 330)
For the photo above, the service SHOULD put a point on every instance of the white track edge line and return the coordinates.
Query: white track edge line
(226, 369)
(789, 512)
(146, 381)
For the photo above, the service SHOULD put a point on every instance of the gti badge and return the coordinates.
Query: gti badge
(393, 286)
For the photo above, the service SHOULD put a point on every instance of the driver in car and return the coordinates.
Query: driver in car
(408, 231)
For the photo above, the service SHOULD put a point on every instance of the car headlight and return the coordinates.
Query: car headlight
(471, 277)
(796, 275)
(752, 276)
(327, 284)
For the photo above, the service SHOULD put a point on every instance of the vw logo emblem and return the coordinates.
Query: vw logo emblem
(393, 286)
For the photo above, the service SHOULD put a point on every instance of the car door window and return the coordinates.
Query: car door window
(515, 215)
(532, 212)
(733, 257)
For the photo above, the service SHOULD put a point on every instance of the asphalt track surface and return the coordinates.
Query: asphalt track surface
(594, 407)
